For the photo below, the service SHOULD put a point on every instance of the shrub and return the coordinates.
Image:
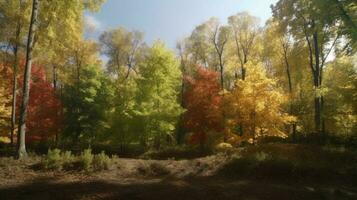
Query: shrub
(224, 147)
(53, 159)
(67, 160)
(86, 159)
(262, 156)
(101, 161)
(158, 169)
(153, 169)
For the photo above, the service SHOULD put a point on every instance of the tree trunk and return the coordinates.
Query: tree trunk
(14, 86)
(54, 71)
(243, 67)
(222, 75)
(317, 84)
(287, 65)
(26, 83)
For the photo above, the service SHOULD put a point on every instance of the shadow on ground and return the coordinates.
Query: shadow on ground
(198, 188)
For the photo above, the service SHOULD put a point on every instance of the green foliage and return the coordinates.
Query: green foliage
(124, 127)
(156, 98)
(341, 109)
(67, 159)
(86, 104)
(86, 159)
(57, 160)
(53, 159)
(137, 100)
(101, 162)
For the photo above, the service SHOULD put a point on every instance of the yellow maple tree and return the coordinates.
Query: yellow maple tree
(254, 106)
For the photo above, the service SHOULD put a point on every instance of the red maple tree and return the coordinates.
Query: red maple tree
(44, 118)
(203, 104)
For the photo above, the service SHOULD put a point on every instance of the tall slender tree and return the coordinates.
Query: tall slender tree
(26, 82)
(245, 30)
(309, 23)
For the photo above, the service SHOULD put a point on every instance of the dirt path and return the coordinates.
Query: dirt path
(148, 179)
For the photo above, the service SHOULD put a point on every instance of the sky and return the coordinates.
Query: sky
(168, 20)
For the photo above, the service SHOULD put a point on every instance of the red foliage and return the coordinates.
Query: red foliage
(44, 118)
(203, 104)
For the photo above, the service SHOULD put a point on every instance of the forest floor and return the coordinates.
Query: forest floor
(160, 179)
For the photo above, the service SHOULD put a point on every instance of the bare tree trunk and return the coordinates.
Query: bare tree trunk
(317, 84)
(27, 76)
(288, 73)
(14, 86)
(222, 75)
(243, 67)
(54, 71)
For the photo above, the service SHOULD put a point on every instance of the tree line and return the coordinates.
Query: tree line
(234, 82)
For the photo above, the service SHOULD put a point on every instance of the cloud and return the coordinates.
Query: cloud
(91, 23)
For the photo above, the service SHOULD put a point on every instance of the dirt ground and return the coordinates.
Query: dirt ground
(151, 179)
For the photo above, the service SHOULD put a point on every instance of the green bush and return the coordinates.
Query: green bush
(86, 159)
(57, 160)
(53, 159)
(101, 162)
(67, 160)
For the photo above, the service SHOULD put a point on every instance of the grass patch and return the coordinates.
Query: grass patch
(101, 162)
(177, 153)
(57, 160)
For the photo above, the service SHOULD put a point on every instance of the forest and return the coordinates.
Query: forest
(240, 109)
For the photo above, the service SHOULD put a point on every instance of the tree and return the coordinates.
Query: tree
(308, 22)
(49, 34)
(59, 43)
(157, 105)
(220, 39)
(341, 94)
(257, 103)
(5, 109)
(203, 105)
(284, 55)
(123, 48)
(199, 46)
(343, 11)
(207, 45)
(13, 22)
(86, 103)
(44, 120)
(26, 83)
(124, 126)
(245, 30)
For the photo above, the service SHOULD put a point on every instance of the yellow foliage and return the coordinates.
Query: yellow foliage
(5, 109)
(5, 140)
(255, 104)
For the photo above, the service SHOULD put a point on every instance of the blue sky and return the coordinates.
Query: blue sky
(169, 20)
